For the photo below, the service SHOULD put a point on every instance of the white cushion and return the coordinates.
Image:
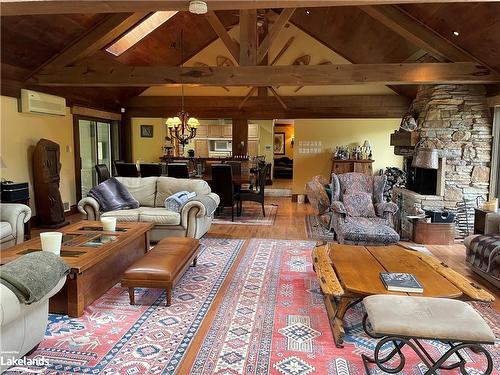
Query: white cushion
(160, 216)
(166, 186)
(124, 215)
(425, 317)
(5, 230)
(142, 189)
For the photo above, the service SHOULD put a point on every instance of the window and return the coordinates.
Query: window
(137, 33)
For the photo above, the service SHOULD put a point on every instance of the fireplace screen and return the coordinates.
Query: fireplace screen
(420, 180)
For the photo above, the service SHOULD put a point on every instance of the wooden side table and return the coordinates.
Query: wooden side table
(480, 219)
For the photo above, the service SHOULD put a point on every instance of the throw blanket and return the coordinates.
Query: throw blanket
(207, 201)
(113, 195)
(33, 275)
(484, 253)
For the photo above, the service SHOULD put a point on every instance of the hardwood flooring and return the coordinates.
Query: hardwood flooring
(290, 225)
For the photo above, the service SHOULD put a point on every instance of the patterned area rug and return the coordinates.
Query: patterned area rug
(113, 337)
(251, 215)
(315, 231)
(272, 320)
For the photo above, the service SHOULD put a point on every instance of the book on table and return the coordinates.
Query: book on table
(401, 282)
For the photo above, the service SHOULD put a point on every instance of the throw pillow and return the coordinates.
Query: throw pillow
(113, 195)
(359, 204)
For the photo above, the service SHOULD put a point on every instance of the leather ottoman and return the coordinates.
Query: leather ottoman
(162, 266)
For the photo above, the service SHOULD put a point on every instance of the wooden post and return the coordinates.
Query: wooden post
(240, 137)
(248, 37)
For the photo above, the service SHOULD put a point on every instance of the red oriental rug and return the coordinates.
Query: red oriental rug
(272, 320)
(113, 337)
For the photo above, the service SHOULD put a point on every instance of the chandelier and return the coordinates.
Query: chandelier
(183, 127)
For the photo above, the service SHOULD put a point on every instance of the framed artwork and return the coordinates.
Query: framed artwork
(279, 143)
(147, 131)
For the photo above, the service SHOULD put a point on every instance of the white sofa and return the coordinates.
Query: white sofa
(13, 216)
(193, 221)
(22, 327)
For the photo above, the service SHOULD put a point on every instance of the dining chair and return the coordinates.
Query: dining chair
(236, 168)
(177, 170)
(126, 169)
(258, 195)
(222, 185)
(150, 169)
(102, 172)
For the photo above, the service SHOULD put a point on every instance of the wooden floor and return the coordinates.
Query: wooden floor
(290, 225)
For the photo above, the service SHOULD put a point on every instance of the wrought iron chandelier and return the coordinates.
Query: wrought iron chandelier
(183, 127)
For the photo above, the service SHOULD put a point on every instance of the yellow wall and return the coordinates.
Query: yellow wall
(289, 133)
(19, 134)
(338, 132)
(148, 149)
(265, 138)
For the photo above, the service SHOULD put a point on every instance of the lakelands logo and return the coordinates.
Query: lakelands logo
(22, 365)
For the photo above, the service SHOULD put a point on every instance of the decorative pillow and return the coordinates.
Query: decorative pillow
(359, 204)
(113, 195)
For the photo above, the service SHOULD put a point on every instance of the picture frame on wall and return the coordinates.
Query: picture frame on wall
(146, 131)
(279, 143)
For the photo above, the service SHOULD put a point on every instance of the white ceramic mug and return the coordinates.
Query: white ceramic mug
(51, 241)
(108, 224)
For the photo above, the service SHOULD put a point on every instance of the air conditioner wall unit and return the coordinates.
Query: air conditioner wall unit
(40, 103)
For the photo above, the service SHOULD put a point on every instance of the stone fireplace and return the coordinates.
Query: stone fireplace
(455, 120)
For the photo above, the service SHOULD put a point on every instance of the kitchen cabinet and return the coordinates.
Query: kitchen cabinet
(202, 131)
(201, 148)
(253, 131)
(215, 131)
(253, 147)
(227, 131)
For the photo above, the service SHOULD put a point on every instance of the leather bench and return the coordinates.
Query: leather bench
(162, 266)
(399, 321)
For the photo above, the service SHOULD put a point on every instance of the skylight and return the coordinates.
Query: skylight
(137, 33)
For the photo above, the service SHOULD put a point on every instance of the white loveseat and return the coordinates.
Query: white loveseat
(193, 221)
(22, 327)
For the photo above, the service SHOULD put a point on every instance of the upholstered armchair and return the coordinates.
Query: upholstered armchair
(13, 216)
(359, 213)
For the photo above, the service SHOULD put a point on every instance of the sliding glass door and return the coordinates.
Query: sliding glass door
(95, 148)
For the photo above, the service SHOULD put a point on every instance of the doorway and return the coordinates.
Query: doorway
(93, 145)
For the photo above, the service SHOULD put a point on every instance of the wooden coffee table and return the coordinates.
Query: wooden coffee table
(97, 260)
(348, 273)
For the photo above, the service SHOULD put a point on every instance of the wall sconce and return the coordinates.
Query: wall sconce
(293, 140)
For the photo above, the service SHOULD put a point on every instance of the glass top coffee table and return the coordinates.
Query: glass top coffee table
(96, 258)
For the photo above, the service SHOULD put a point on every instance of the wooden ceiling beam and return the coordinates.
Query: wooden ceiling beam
(290, 75)
(419, 34)
(248, 37)
(355, 106)
(32, 7)
(94, 40)
(232, 46)
(283, 18)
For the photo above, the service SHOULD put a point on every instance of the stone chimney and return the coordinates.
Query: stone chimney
(455, 120)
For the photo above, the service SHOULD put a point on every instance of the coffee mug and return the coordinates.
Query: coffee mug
(51, 241)
(108, 224)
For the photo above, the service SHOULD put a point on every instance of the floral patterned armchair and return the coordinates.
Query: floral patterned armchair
(320, 202)
(359, 213)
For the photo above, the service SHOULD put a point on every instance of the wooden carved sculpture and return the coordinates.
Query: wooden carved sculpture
(46, 178)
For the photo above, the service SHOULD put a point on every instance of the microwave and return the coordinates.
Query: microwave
(221, 145)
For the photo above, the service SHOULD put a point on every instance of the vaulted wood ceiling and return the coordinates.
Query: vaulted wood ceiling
(360, 35)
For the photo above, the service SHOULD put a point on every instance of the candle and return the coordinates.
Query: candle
(51, 241)
(108, 224)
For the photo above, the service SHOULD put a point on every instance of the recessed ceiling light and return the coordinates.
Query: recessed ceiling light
(456, 33)
(307, 12)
